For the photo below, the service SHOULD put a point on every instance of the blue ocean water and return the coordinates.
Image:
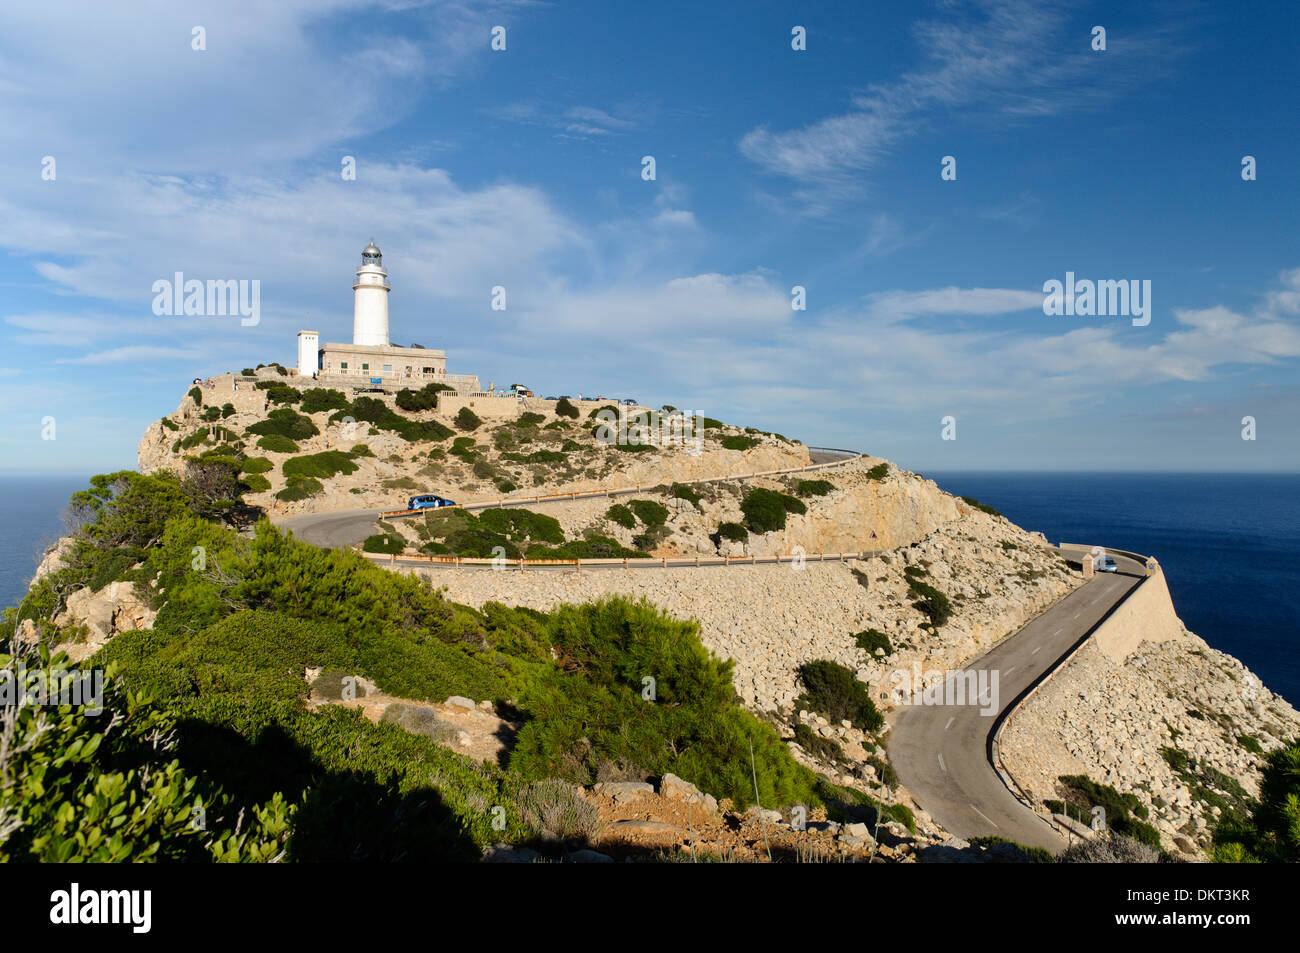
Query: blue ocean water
(1229, 545)
(31, 510)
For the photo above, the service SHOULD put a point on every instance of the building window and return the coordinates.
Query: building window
(343, 365)
(388, 368)
(365, 367)
(427, 370)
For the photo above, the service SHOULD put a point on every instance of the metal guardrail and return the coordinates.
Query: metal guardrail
(624, 562)
(504, 501)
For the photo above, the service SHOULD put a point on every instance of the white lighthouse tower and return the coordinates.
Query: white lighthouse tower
(370, 300)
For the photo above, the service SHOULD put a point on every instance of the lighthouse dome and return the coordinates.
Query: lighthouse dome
(371, 254)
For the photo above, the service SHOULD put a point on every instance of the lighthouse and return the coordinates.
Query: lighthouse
(370, 300)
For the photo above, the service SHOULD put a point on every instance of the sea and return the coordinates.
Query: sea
(1229, 544)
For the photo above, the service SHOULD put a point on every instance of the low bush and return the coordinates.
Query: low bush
(274, 443)
(319, 399)
(558, 812)
(739, 442)
(826, 748)
(683, 491)
(620, 514)
(322, 465)
(930, 601)
(426, 398)
(650, 513)
(383, 543)
(256, 482)
(1084, 793)
(878, 472)
(529, 419)
(733, 531)
(564, 408)
(519, 525)
(872, 639)
(765, 510)
(300, 489)
(982, 507)
(376, 412)
(814, 487)
(834, 692)
(466, 419)
(284, 422)
(195, 395)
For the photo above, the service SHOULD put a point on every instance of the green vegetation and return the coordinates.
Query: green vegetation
(872, 639)
(426, 398)
(301, 488)
(1211, 787)
(982, 507)
(878, 472)
(564, 408)
(284, 422)
(170, 424)
(195, 394)
(650, 513)
(929, 600)
(827, 749)
(621, 515)
(274, 443)
(466, 419)
(322, 465)
(765, 510)
(374, 411)
(733, 531)
(739, 442)
(1270, 832)
(520, 526)
(834, 692)
(1033, 855)
(319, 399)
(256, 482)
(814, 487)
(1125, 814)
(383, 543)
(683, 491)
(277, 393)
(529, 419)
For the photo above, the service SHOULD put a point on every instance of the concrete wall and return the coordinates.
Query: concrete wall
(1147, 615)
(489, 408)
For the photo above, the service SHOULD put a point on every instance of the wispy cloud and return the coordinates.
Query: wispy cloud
(990, 59)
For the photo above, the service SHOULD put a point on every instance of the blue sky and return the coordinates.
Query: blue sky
(775, 168)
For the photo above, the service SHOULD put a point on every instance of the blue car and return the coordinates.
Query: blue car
(428, 502)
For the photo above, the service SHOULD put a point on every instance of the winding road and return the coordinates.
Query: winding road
(943, 753)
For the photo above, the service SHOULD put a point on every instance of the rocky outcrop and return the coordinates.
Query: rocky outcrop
(98, 616)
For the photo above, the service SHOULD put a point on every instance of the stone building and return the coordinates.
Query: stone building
(371, 360)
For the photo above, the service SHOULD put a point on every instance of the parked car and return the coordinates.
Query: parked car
(1108, 565)
(629, 401)
(428, 501)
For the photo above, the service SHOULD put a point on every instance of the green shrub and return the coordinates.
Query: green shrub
(256, 482)
(733, 531)
(620, 514)
(826, 748)
(426, 398)
(1033, 855)
(765, 510)
(282, 394)
(563, 408)
(274, 443)
(195, 395)
(227, 410)
(683, 491)
(1120, 808)
(322, 465)
(872, 639)
(878, 472)
(814, 487)
(519, 525)
(834, 692)
(373, 411)
(300, 489)
(594, 712)
(466, 419)
(284, 422)
(649, 512)
(739, 442)
(982, 507)
(930, 601)
(1270, 830)
(210, 414)
(382, 543)
(170, 424)
(256, 465)
(558, 812)
(248, 372)
(592, 547)
(316, 400)
(529, 419)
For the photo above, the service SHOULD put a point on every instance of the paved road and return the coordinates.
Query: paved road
(941, 752)
(348, 527)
